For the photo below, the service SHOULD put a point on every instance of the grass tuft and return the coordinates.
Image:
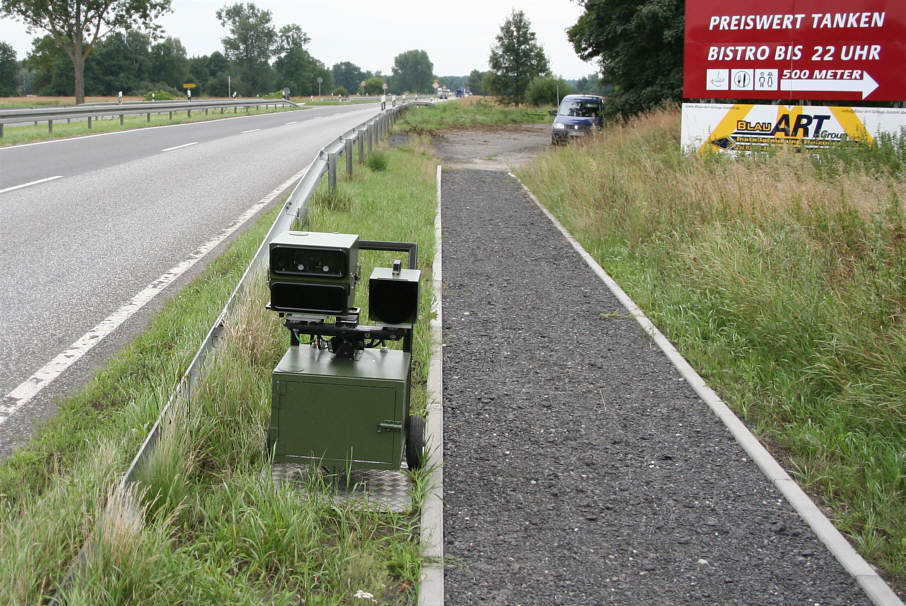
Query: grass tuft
(377, 161)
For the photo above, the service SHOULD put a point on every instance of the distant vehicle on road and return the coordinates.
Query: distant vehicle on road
(577, 116)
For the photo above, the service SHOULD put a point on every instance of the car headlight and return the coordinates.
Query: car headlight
(559, 126)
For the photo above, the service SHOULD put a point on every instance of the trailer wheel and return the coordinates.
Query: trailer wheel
(415, 441)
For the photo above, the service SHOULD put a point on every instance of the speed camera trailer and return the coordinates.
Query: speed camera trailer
(341, 398)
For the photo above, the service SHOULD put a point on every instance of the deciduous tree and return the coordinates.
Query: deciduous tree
(295, 67)
(547, 90)
(9, 70)
(475, 82)
(77, 25)
(374, 85)
(251, 44)
(516, 59)
(120, 62)
(349, 76)
(169, 63)
(412, 71)
(639, 44)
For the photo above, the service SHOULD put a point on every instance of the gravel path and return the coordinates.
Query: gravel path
(579, 467)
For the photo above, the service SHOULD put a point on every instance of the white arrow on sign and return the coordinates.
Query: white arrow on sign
(866, 85)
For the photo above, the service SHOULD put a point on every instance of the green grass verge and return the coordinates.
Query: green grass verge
(782, 280)
(206, 524)
(51, 488)
(14, 135)
(468, 113)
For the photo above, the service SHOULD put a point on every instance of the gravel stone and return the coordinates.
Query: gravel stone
(579, 468)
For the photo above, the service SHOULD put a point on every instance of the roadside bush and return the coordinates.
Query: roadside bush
(547, 90)
(159, 95)
(340, 92)
(377, 161)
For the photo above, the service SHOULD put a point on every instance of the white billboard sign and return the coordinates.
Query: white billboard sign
(747, 128)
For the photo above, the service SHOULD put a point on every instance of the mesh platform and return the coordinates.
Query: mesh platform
(369, 489)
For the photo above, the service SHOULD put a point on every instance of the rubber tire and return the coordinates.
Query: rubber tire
(415, 442)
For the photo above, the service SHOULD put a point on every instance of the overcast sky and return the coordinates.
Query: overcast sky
(456, 34)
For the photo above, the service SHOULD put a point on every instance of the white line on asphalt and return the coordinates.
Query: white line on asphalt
(15, 187)
(293, 122)
(33, 385)
(179, 146)
(254, 130)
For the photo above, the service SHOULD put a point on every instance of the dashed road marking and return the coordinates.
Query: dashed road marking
(29, 184)
(167, 149)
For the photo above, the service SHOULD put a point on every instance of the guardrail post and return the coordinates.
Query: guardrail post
(89, 122)
(50, 127)
(332, 172)
(121, 119)
(171, 115)
(370, 138)
(360, 141)
(206, 111)
(1, 129)
(149, 116)
(348, 151)
(188, 113)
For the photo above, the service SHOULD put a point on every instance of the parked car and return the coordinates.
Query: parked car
(577, 116)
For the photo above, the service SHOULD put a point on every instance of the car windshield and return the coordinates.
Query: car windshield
(580, 108)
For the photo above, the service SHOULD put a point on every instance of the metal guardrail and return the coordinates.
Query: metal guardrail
(368, 133)
(89, 112)
(296, 208)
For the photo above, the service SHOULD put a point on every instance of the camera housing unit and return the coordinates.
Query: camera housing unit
(312, 272)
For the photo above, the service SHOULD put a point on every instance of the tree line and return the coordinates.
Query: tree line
(638, 45)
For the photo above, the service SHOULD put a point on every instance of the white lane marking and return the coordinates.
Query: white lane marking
(15, 187)
(254, 130)
(33, 385)
(293, 122)
(166, 149)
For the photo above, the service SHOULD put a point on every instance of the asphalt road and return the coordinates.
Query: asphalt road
(119, 211)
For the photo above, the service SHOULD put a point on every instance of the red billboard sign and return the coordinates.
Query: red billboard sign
(830, 50)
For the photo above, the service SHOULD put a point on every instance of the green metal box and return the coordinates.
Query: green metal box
(340, 412)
